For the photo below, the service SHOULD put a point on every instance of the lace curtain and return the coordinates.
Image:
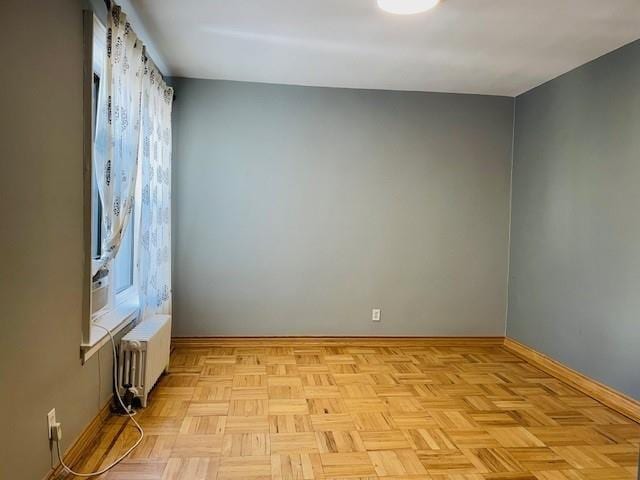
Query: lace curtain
(118, 131)
(133, 135)
(155, 208)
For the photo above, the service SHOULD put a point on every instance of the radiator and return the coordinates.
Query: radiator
(144, 355)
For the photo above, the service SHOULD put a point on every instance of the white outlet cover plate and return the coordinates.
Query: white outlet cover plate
(376, 314)
(51, 421)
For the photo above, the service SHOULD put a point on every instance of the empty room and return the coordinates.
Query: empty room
(320, 239)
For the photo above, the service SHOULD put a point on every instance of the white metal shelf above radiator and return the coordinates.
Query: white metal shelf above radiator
(146, 330)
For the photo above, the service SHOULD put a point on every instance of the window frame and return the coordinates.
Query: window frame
(122, 307)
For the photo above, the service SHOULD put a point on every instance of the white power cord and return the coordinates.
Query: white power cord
(115, 384)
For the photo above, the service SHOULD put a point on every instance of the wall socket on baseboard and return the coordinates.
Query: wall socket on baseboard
(376, 315)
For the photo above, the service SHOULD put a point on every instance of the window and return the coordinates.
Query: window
(113, 293)
(121, 269)
(96, 201)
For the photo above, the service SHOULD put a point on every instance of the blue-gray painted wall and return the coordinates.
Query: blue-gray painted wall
(574, 289)
(297, 210)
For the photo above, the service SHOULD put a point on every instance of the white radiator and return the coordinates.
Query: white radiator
(144, 355)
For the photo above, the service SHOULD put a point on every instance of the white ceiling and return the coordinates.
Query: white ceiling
(499, 47)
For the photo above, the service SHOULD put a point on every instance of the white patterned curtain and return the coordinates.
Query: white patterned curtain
(155, 209)
(118, 130)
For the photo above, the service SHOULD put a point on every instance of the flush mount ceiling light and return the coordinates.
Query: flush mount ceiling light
(407, 7)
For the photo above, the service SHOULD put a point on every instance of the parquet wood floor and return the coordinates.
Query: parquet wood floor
(286, 411)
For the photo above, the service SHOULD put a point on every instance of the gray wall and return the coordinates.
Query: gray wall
(41, 249)
(299, 209)
(574, 289)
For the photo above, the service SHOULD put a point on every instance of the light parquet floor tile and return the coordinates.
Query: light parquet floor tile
(270, 409)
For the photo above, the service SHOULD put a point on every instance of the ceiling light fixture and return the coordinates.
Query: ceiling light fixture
(407, 7)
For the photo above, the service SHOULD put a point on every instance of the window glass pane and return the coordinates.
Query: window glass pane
(96, 221)
(96, 203)
(123, 262)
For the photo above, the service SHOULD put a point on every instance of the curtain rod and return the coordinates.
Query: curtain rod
(145, 54)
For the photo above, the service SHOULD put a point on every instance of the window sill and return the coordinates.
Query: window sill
(116, 319)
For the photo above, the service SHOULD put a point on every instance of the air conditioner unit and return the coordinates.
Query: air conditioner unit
(99, 291)
(144, 355)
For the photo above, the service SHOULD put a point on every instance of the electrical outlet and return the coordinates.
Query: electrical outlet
(375, 314)
(51, 421)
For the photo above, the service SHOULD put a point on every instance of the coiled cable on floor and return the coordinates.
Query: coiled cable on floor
(115, 384)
